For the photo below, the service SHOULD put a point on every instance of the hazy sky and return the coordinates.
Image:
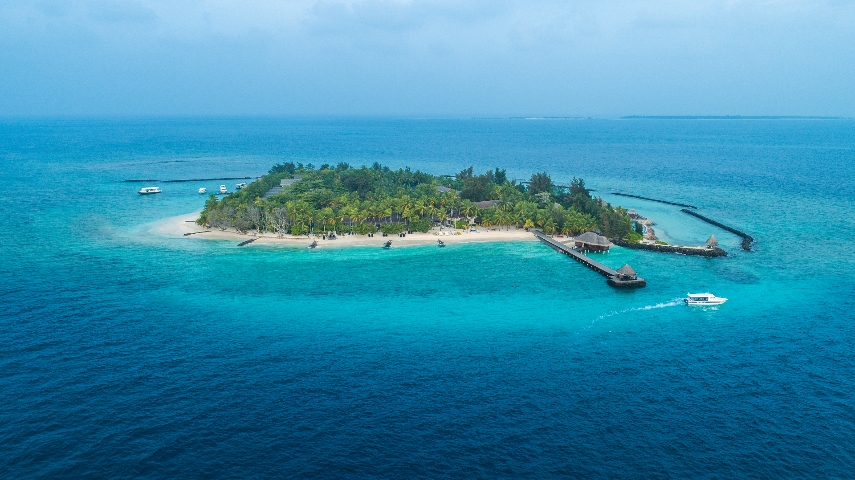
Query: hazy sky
(431, 57)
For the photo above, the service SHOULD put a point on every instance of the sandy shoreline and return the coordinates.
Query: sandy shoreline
(183, 224)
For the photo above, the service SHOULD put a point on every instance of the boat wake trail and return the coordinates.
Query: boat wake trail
(672, 303)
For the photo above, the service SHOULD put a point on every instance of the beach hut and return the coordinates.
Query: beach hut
(626, 272)
(593, 242)
(712, 242)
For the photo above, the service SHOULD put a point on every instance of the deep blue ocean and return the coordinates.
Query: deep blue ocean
(124, 353)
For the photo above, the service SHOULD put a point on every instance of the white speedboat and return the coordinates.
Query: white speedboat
(203, 190)
(150, 190)
(240, 186)
(704, 299)
(223, 189)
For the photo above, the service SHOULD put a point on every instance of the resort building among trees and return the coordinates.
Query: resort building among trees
(590, 241)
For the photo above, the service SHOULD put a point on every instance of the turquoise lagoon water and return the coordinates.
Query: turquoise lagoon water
(124, 353)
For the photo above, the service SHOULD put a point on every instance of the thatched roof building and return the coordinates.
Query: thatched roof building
(487, 203)
(626, 272)
(712, 242)
(592, 241)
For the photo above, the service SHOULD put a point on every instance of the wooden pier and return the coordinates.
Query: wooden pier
(614, 279)
(149, 180)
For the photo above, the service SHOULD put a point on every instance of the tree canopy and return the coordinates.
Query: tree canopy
(342, 198)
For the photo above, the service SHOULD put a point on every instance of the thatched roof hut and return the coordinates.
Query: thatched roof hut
(592, 241)
(626, 270)
(712, 242)
(591, 238)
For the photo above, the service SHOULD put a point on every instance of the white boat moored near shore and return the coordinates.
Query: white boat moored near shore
(223, 189)
(704, 299)
(240, 186)
(203, 190)
(149, 190)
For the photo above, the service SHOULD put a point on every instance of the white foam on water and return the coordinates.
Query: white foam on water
(672, 303)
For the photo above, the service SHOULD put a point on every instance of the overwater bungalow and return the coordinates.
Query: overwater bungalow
(625, 276)
(590, 241)
(626, 273)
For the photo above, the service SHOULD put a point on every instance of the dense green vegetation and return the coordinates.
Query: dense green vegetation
(343, 199)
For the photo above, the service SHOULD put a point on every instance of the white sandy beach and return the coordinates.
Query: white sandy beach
(183, 224)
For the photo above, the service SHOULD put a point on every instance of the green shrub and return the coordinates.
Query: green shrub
(296, 229)
(660, 242)
(421, 225)
(634, 237)
(364, 229)
(391, 228)
(461, 224)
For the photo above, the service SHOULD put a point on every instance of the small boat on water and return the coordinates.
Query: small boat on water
(223, 189)
(150, 190)
(240, 186)
(314, 244)
(440, 243)
(387, 244)
(703, 299)
(203, 190)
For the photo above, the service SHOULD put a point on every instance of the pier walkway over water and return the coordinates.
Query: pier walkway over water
(613, 278)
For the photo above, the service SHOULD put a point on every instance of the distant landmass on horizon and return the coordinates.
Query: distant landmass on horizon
(731, 117)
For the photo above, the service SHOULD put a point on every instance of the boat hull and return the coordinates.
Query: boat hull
(700, 304)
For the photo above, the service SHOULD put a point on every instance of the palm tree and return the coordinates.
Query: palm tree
(409, 214)
(347, 212)
(441, 214)
(420, 206)
(432, 212)
(359, 216)
(541, 217)
(375, 211)
(549, 227)
(387, 209)
(327, 216)
(466, 208)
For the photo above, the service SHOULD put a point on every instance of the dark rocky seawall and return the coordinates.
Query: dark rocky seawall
(701, 252)
(747, 240)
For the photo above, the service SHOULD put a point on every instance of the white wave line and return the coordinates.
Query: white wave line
(672, 303)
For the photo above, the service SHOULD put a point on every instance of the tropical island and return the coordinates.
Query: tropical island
(296, 200)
